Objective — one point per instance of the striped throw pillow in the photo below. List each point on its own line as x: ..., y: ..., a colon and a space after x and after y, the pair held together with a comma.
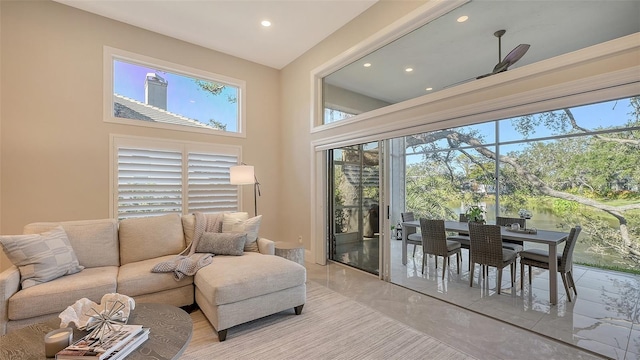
x: 41, y: 257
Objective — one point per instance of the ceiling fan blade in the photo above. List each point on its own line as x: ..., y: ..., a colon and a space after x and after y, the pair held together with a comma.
x: 485, y: 75
x: 511, y: 58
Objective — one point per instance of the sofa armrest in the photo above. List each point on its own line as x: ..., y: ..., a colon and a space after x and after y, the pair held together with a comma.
x: 266, y: 246
x: 9, y: 285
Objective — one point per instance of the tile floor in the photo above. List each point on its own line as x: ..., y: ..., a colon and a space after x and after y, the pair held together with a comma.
x: 604, y: 318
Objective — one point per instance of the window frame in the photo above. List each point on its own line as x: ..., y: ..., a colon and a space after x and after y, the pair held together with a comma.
x: 110, y: 54
x: 185, y: 147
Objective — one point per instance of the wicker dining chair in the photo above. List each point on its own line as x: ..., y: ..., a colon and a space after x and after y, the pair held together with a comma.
x: 486, y: 250
x: 434, y: 242
x: 462, y: 237
x: 540, y: 258
x: 412, y: 236
x: 514, y: 245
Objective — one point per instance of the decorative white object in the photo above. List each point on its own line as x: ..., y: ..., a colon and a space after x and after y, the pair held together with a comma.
x: 84, y: 312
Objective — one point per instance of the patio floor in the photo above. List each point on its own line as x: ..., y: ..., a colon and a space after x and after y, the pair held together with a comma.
x: 604, y: 318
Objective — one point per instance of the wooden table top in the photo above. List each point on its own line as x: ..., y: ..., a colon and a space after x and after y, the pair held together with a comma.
x: 170, y: 332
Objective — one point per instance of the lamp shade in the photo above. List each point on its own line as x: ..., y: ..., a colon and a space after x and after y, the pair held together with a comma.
x: 242, y: 175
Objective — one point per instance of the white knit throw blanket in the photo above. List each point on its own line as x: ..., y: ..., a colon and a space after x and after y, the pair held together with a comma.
x: 187, y: 265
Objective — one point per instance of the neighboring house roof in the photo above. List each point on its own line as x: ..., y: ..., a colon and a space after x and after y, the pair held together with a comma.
x: 128, y: 108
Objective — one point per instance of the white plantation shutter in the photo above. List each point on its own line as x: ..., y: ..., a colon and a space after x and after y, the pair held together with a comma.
x: 209, y: 189
x: 149, y: 182
x: 162, y: 177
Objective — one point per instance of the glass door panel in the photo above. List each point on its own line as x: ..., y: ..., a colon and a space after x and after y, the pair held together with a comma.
x: 354, y: 206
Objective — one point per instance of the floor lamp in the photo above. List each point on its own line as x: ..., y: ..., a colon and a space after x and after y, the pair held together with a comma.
x: 244, y: 175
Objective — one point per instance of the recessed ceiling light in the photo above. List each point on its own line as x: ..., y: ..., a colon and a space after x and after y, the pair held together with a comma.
x: 266, y: 23
x: 462, y: 18
x: 367, y: 64
x: 429, y: 89
x: 408, y: 69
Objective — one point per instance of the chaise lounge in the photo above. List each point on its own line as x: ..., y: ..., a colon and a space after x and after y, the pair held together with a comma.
x: 118, y: 257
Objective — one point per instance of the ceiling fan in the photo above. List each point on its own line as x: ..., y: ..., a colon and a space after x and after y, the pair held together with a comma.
x: 503, y: 64
x: 511, y: 58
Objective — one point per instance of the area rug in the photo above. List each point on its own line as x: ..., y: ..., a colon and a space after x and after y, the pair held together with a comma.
x: 331, y: 326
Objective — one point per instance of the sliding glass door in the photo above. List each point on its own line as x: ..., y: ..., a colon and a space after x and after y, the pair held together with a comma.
x: 354, y: 211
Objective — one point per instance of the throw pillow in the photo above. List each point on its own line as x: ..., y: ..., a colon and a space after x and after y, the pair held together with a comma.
x: 231, y: 224
x: 238, y: 215
x: 222, y: 244
x: 189, y: 224
x: 41, y: 257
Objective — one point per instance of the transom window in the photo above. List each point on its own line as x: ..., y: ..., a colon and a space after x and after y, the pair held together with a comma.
x: 333, y: 115
x: 149, y: 92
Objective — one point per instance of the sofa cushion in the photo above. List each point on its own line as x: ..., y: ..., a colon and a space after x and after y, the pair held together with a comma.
x: 222, y: 244
x: 189, y: 224
x: 95, y: 242
x: 235, y: 278
x: 150, y: 237
x: 188, y: 227
x: 136, y: 278
x: 234, y: 224
x: 41, y: 257
x: 54, y: 296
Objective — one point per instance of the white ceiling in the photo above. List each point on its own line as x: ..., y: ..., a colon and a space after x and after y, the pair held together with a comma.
x: 442, y: 52
x: 445, y: 52
x: 233, y: 27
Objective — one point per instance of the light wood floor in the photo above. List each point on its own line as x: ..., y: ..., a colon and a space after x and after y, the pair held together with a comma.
x: 203, y: 333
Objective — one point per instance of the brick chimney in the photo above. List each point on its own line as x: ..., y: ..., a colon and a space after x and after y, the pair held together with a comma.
x: 155, y: 91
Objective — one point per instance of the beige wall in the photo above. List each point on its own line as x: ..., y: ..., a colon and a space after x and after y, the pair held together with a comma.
x: 349, y: 101
x: 54, y: 147
x: 296, y: 110
x: 2, y: 258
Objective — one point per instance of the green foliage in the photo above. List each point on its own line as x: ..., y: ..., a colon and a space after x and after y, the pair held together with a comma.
x: 338, y: 200
x: 209, y: 86
x: 217, y: 124
x: 562, y: 207
x: 427, y: 196
x: 215, y: 89
x: 475, y: 213
x: 596, y: 165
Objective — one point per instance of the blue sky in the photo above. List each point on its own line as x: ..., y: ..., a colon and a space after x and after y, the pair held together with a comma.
x: 184, y: 97
x: 606, y: 114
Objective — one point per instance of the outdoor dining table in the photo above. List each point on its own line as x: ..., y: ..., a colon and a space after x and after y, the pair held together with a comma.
x: 550, y: 238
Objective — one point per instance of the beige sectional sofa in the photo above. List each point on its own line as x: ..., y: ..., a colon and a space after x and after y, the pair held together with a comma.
x: 118, y: 257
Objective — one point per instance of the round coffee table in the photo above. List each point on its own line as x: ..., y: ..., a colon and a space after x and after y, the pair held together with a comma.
x: 170, y: 332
